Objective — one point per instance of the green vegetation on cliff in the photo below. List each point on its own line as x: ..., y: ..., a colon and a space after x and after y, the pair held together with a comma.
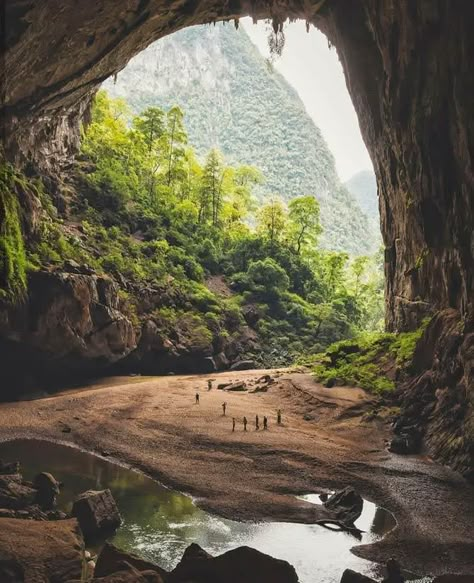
x: 142, y: 209
x: 12, y: 249
x: 369, y: 361
x: 234, y: 102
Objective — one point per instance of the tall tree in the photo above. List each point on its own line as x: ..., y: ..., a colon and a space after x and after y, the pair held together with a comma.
x: 177, y: 139
x: 304, y: 223
x: 212, y: 183
x: 272, y: 220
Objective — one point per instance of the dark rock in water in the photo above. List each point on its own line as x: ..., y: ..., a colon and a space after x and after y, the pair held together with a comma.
x: 454, y: 579
x: 37, y: 551
x: 47, y: 489
x: 14, y: 493
x: 350, y: 576
x: 9, y: 467
x: 243, y: 365
x: 96, y: 512
x: 127, y: 574
x: 11, y: 572
x: 394, y: 572
x: 111, y: 558
x: 346, y: 505
x: 240, y: 565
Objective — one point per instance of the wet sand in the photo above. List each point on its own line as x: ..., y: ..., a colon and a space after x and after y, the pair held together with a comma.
x: 325, y: 442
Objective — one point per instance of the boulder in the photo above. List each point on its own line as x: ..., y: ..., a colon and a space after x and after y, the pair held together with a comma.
x: 126, y: 574
x: 96, y: 512
x: 47, y: 489
x: 238, y: 386
x: 240, y: 565
x: 243, y: 365
x: 111, y: 558
x: 14, y: 493
x: 350, y: 576
x: 36, y: 552
x: 345, y: 505
x: 408, y: 442
x: 394, y: 572
x: 9, y: 467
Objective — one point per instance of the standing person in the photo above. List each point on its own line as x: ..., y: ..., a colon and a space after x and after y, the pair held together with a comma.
x: 209, y: 384
x: 257, y: 426
x: 224, y: 406
x: 233, y: 424
x: 279, y: 416
x: 265, y: 423
x: 245, y: 423
x: 197, y: 398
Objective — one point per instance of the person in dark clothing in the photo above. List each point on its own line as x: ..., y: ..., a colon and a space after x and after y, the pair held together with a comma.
x: 209, y: 385
x: 197, y: 398
x: 257, y: 426
x: 224, y: 406
x: 265, y: 423
x: 279, y: 416
x: 245, y: 423
x: 233, y: 424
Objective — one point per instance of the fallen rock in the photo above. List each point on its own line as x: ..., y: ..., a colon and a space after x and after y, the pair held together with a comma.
x: 243, y: 365
x: 14, y: 493
x: 407, y: 443
x: 239, y: 386
x: 111, y: 558
x: 9, y: 467
x: 127, y: 574
x: 96, y: 511
x: 394, y: 572
x: 259, y: 389
x: 454, y: 579
x: 346, y: 505
x: 240, y: 565
x: 350, y: 576
x: 47, y: 489
x: 266, y: 378
x: 36, y: 552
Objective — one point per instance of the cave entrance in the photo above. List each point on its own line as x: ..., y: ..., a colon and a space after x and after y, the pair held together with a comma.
x: 408, y: 70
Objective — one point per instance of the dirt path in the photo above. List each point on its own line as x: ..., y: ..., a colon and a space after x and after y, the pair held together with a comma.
x: 153, y: 423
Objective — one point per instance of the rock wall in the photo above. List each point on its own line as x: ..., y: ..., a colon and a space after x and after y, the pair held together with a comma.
x: 409, y: 68
x: 69, y: 326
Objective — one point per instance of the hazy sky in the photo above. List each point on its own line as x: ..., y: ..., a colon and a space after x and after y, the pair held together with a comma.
x: 315, y: 72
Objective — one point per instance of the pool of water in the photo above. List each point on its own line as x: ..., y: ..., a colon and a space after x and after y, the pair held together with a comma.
x: 159, y: 523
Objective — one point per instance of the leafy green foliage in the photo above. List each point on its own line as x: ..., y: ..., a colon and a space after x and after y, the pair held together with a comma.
x: 368, y: 361
x: 12, y: 251
x: 149, y: 213
x: 253, y: 115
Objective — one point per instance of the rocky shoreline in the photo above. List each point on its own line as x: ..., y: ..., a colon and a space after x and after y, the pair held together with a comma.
x: 29, y: 515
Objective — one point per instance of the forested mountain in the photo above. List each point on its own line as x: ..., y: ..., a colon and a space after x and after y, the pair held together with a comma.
x: 235, y: 102
x: 363, y: 187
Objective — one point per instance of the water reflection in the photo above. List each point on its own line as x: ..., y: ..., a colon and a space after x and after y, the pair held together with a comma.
x: 160, y: 523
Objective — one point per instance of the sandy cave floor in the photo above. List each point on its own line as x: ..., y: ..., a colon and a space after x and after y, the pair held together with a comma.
x: 325, y: 442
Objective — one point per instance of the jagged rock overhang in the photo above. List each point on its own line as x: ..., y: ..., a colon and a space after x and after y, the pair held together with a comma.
x: 408, y: 67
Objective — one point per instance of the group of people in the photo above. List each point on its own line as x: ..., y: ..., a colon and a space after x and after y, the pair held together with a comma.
x: 245, y: 420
